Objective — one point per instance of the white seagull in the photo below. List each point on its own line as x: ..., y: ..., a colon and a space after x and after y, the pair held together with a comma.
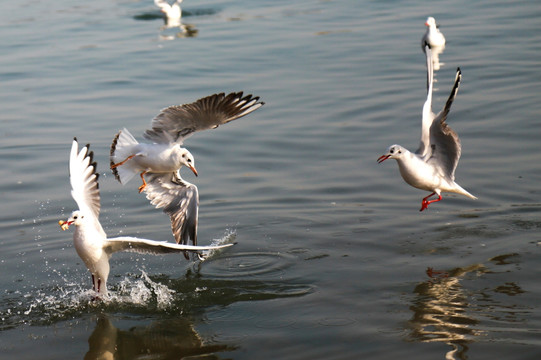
x: 433, y: 36
x: 432, y: 166
x: 171, y: 11
x: 435, y: 39
x: 161, y: 161
x: 89, y: 238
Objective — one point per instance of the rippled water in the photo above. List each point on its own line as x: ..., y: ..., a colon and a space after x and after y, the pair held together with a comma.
x: 333, y: 259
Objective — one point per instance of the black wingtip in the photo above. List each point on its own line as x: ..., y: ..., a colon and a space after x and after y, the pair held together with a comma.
x: 75, y: 138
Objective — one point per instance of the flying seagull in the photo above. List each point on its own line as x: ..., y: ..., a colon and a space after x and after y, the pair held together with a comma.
x: 172, y: 12
x: 432, y: 166
x: 90, y: 240
x: 161, y: 160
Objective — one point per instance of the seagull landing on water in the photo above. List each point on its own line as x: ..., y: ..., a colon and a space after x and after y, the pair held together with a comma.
x: 172, y: 12
x: 161, y: 160
x: 89, y: 238
x: 432, y: 166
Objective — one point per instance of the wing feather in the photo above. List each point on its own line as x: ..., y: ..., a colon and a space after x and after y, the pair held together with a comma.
x: 84, y: 181
x: 180, y: 200
x: 175, y: 123
x: 145, y: 246
x: 444, y: 140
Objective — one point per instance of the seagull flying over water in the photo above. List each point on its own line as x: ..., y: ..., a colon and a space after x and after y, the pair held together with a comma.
x: 90, y: 240
x: 172, y: 12
x: 161, y: 160
x: 432, y: 166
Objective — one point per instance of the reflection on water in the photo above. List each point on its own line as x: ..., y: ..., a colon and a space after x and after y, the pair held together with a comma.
x: 440, y: 311
x: 165, y: 339
x: 436, y: 51
x: 444, y: 311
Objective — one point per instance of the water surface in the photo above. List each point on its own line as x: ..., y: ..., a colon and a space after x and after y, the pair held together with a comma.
x: 333, y: 259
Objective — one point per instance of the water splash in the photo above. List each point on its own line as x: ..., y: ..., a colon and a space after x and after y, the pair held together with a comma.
x: 143, y: 292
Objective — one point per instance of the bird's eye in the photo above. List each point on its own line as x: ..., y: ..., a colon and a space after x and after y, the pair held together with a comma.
x: 391, y: 151
x: 75, y: 217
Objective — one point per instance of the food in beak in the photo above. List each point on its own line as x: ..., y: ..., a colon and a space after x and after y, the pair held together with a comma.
x: 63, y: 224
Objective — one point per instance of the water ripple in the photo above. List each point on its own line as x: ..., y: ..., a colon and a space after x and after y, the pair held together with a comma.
x: 250, y: 265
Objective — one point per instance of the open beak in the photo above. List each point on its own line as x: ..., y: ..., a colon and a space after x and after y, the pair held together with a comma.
x: 382, y: 158
x: 193, y: 169
x: 64, y: 225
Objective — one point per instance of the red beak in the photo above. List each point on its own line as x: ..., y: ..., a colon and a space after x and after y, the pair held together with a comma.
x: 382, y: 158
x: 193, y: 169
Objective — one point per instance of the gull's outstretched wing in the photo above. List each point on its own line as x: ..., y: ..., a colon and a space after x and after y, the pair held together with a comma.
x: 175, y: 123
x: 162, y: 4
x: 146, y: 246
x: 180, y: 200
x: 444, y: 140
x: 84, y: 182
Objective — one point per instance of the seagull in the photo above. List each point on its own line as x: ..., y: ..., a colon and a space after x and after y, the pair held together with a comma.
x: 161, y: 161
x: 433, y: 36
x: 90, y: 240
x: 432, y: 166
x: 172, y: 13
x: 435, y: 39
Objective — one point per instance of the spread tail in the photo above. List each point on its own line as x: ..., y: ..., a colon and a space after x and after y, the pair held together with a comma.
x: 121, y: 148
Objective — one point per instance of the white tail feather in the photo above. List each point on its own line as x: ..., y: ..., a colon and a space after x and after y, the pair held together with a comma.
x: 123, y: 147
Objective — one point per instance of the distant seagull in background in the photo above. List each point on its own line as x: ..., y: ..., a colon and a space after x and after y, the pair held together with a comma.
x: 172, y: 12
x: 432, y: 166
x: 89, y: 238
x: 435, y: 39
x: 161, y: 160
x: 433, y: 36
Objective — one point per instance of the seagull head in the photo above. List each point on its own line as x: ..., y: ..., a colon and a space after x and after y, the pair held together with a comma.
x: 76, y: 219
x: 186, y: 159
x: 430, y: 21
x: 393, y: 152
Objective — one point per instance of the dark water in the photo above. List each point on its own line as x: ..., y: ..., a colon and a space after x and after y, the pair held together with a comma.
x: 333, y: 257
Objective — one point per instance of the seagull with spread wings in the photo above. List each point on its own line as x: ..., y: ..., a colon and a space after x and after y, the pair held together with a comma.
x: 432, y: 167
x: 161, y: 160
x: 90, y: 240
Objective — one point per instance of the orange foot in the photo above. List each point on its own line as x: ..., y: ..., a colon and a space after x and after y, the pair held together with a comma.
x: 426, y: 202
x: 142, y: 187
x: 113, y: 166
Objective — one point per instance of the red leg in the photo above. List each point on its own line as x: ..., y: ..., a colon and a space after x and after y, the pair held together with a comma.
x: 122, y: 162
x: 426, y: 202
x: 142, y: 187
x: 93, y: 286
